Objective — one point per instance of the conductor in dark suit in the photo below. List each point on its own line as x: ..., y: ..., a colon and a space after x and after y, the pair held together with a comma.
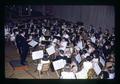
x: 18, y: 42
x: 23, y: 47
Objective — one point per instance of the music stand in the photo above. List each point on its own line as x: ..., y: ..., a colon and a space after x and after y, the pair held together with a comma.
x: 37, y: 55
x: 59, y: 64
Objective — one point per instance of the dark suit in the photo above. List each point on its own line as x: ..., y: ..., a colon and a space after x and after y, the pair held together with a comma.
x: 18, y: 42
x: 23, y: 47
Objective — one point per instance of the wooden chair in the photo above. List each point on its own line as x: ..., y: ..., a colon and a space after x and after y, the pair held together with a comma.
x: 44, y: 68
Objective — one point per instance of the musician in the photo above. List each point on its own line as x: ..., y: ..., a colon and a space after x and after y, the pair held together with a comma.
x: 12, y: 38
x: 42, y: 38
x: 90, y: 48
x: 106, y: 49
x: 84, y: 54
x: 80, y: 43
x: 18, y: 42
x: 74, y: 65
x: 65, y: 35
x: 86, y: 66
x: 22, y: 44
x: 93, y: 38
x: 63, y: 44
x: 61, y: 56
x: 104, y: 75
x: 67, y: 73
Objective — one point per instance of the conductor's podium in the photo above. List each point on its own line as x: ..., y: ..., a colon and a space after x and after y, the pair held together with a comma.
x: 16, y: 65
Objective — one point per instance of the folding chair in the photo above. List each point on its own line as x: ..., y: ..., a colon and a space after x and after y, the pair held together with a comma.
x: 43, y: 68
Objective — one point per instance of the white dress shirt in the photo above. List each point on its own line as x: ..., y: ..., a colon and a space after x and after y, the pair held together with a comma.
x: 111, y: 75
x: 12, y: 37
x: 93, y: 39
x: 66, y: 36
x: 87, y: 65
x: 81, y: 74
x: 80, y: 45
x: 63, y: 45
x: 41, y: 38
x: 67, y: 75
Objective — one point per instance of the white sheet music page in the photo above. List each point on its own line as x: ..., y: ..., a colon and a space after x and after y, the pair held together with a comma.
x: 97, y: 68
x: 37, y: 54
x: 59, y: 64
x: 50, y: 50
x: 33, y: 43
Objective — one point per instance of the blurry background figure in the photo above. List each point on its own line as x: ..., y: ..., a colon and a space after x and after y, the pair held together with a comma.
x: 67, y: 73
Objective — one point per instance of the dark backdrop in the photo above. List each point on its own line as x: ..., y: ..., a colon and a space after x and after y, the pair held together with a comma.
x: 97, y: 15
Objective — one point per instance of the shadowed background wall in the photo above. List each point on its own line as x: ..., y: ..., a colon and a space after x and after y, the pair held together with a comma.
x: 96, y: 15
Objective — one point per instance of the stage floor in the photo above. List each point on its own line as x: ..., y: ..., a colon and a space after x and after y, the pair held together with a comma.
x: 12, y: 54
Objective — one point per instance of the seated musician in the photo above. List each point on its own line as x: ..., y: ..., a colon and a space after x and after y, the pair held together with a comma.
x: 63, y: 44
x: 12, y: 38
x: 74, y: 65
x: 61, y: 56
x: 95, y: 56
x: 104, y: 75
x: 111, y: 74
x: 42, y: 38
x: 80, y: 43
x: 84, y: 54
x: 90, y: 48
x: 65, y: 35
x: 67, y: 73
x: 86, y: 66
x: 93, y: 39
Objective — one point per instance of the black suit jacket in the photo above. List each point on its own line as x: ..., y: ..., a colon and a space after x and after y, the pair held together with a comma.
x: 22, y: 42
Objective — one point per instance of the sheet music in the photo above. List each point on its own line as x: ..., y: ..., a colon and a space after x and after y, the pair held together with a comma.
x: 59, y: 64
x: 33, y: 43
x: 97, y: 68
x: 102, y: 61
x: 78, y: 58
x: 37, y: 54
x: 50, y: 50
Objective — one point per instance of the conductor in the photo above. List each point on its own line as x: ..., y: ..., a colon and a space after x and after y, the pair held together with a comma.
x: 23, y: 47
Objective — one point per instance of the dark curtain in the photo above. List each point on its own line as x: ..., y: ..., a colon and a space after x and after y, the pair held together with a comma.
x: 99, y: 16
x: 96, y: 15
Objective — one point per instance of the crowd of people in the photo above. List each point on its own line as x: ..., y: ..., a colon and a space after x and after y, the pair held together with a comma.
x: 81, y: 47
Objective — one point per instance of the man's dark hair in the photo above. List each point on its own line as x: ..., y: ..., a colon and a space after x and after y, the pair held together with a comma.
x: 61, y: 51
x: 105, y: 74
x: 88, y: 58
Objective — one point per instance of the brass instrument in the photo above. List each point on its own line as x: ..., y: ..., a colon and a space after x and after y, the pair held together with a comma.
x: 91, y: 73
